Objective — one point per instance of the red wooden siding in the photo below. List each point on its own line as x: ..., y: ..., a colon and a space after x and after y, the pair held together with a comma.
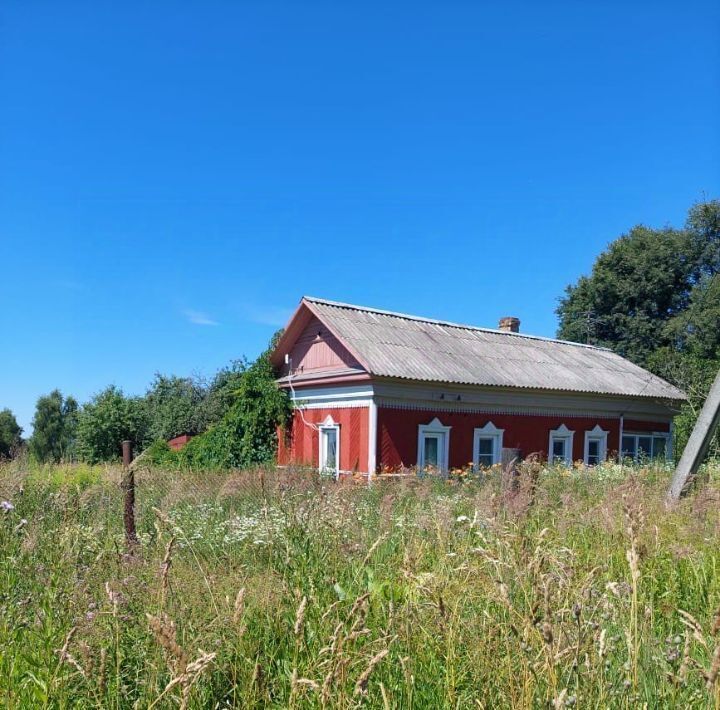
x: 317, y: 350
x: 631, y: 425
x: 398, y: 433
x: 300, y: 445
x: 179, y: 441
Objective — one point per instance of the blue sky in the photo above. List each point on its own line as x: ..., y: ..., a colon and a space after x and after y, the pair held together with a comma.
x: 174, y: 176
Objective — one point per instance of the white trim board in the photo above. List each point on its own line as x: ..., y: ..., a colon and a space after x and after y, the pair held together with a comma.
x: 562, y: 433
x: 489, y: 431
x: 596, y: 434
x: 434, y: 429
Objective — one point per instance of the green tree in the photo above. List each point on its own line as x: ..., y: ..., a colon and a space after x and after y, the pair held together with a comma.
x: 246, y: 434
x: 703, y: 223
x: 654, y: 296
x: 174, y: 406
x: 10, y: 433
x: 54, y: 427
x: 636, y: 286
x: 106, y: 421
x: 223, y: 392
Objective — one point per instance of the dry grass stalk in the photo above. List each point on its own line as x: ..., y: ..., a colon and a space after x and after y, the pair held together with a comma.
x: 304, y: 682
x: 692, y: 623
x: 165, y: 571
x: 329, y: 610
x: 66, y: 657
x: 358, y: 604
x: 712, y: 675
x: 300, y: 616
x: 372, y: 549
x: 190, y: 676
x: 102, y: 679
x: 716, y: 623
x: 362, y: 681
x: 239, y: 608
x: 163, y: 629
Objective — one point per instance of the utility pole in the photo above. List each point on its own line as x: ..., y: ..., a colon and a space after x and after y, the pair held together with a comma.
x: 699, y: 443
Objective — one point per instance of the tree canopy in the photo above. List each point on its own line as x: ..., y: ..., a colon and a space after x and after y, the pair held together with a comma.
x: 174, y: 406
x: 10, y: 433
x: 106, y: 421
x: 654, y: 296
x: 54, y: 427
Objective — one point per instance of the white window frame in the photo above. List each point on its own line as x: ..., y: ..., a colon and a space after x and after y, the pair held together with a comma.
x: 328, y: 425
x: 567, y: 435
x: 652, y: 435
x: 600, y: 435
x: 489, y: 431
x: 434, y: 428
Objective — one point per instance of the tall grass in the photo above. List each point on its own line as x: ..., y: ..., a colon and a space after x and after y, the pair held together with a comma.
x: 259, y: 589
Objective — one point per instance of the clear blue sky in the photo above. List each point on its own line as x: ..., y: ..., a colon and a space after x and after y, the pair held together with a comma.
x: 174, y: 176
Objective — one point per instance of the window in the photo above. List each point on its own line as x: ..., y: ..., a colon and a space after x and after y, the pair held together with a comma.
x: 645, y: 447
x: 561, y: 445
x: 595, y: 446
x: 433, y: 446
x: 330, y: 448
x: 487, y: 446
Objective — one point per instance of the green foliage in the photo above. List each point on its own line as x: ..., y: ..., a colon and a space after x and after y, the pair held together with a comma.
x: 160, y: 454
x: 54, y: 428
x: 694, y: 374
x: 703, y: 223
x: 247, y: 433
x: 174, y: 406
x: 106, y: 421
x: 639, y: 283
x: 10, y: 433
x: 654, y: 296
x: 223, y: 391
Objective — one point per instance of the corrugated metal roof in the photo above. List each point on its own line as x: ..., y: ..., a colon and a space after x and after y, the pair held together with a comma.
x: 398, y: 345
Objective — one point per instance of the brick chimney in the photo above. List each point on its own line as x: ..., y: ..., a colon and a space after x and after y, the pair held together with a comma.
x: 509, y: 324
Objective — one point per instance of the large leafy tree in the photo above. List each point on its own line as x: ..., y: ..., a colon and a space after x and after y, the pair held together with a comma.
x: 106, y: 421
x: 223, y: 391
x: 10, y: 433
x: 654, y: 296
x: 174, y: 406
x: 54, y: 427
x: 637, y: 285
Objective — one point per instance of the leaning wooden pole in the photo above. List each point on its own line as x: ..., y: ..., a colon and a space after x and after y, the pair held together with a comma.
x: 699, y: 443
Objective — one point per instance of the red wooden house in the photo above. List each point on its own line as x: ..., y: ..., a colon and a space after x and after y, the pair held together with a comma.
x: 375, y: 390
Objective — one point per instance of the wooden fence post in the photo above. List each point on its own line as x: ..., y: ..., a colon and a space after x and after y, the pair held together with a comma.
x: 698, y: 444
x: 128, y: 487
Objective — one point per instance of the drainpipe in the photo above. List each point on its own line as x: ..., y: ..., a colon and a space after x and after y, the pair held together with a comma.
x: 622, y: 429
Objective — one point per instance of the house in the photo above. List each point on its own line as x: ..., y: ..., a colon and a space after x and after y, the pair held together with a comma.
x: 375, y: 390
x: 178, y: 442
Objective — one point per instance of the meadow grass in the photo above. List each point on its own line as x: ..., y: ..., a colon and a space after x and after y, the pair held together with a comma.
x: 275, y: 589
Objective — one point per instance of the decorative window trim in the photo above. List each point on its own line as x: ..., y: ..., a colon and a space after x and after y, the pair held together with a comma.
x: 600, y: 435
x: 328, y: 425
x: 562, y: 432
x: 489, y: 431
x: 434, y: 427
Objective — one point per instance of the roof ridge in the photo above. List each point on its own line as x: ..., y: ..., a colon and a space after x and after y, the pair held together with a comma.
x: 451, y: 324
